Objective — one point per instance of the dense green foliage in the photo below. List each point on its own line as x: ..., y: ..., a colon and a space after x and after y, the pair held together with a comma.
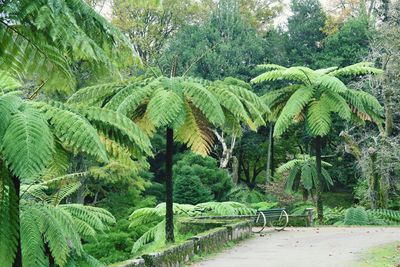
x: 104, y: 154
x: 214, y: 182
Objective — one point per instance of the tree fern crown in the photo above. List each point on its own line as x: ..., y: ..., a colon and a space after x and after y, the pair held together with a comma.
x: 314, y: 95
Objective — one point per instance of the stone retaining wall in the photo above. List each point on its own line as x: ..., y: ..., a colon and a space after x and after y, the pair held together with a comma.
x: 204, y: 243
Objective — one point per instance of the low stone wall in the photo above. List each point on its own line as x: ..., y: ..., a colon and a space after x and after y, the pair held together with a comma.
x: 178, y: 255
x: 139, y: 262
x: 171, y: 257
x: 239, y: 231
x: 211, y: 240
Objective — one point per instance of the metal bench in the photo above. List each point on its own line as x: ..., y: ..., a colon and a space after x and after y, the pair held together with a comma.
x: 275, y: 218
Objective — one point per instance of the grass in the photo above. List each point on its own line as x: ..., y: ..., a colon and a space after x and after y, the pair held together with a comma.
x: 382, y: 256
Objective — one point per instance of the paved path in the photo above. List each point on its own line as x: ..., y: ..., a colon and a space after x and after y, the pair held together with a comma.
x: 298, y: 247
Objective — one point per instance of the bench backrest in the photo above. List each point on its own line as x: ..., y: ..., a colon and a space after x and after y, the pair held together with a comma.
x: 271, y: 214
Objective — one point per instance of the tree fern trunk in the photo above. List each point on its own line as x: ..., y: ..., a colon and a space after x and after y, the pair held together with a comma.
x: 318, y: 185
x: 18, y: 255
x: 169, y: 217
x: 269, y: 154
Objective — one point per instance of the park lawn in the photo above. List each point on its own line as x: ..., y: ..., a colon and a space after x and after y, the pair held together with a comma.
x: 382, y: 256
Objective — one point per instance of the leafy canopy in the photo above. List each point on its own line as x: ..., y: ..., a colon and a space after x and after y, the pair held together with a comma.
x: 190, y: 106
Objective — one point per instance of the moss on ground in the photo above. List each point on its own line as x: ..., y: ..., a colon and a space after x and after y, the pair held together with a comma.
x: 382, y: 256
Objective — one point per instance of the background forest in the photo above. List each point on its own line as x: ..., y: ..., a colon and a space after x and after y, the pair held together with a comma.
x: 221, y: 107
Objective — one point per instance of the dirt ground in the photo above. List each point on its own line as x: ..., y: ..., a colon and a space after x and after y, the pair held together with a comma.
x: 298, y: 247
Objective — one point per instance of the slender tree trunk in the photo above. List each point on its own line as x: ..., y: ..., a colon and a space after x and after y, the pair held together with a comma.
x: 235, y: 170
x: 318, y: 185
x: 169, y: 216
x: 269, y: 155
x: 272, y: 167
x: 18, y: 255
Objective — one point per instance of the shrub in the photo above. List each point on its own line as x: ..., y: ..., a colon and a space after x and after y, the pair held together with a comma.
x: 189, y: 190
x: 356, y: 216
x: 216, y: 180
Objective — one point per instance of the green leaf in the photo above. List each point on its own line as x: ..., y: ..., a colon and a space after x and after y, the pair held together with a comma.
x: 27, y: 143
x: 296, y: 103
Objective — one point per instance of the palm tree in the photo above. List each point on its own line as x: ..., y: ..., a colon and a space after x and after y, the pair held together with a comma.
x: 303, y: 174
x: 311, y: 96
x: 33, y: 133
x: 188, y: 108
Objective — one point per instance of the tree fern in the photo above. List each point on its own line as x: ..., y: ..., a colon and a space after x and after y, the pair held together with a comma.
x: 317, y: 95
x: 302, y: 171
x: 59, y: 227
x: 51, y: 34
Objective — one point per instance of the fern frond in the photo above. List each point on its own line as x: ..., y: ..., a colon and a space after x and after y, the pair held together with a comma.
x: 330, y: 83
x: 226, y: 208
x: 146, y: 215
x: 73, y: 130
x: 27, y: 143
x: 289, y: 165
x: 117, y: 126
x: 270, y: 67
x: 164, y: 107
x: 135, y: 98
x: 9, y: 218
x: 8, y: 83
x: 306, y: 177
x: 63, y: 192
x: 390, y: 216
x: 150, y: 236
x: 326, y: 70
x: 97, y: 218
x: 9, y: 104
x: 32, y: 244
x: 94, y: 94
x: 296, y: 74
x: 362, y: 68
x: 203, y: 100
x: 298, y: 100
x: 195, y: 132
x: 292, y: 176
x: 318, y: 117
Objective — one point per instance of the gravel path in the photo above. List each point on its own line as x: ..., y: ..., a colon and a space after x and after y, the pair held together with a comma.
x: 298, y: 247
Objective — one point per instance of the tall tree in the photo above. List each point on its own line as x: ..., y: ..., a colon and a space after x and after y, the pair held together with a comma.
x: 224, y: 46
x: 312, y: 97
x: 305, y: 35
x: 150, y: 24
